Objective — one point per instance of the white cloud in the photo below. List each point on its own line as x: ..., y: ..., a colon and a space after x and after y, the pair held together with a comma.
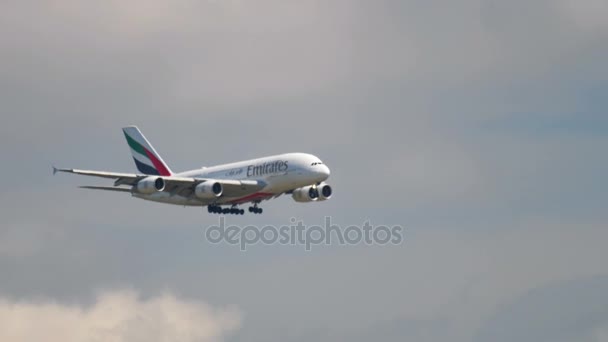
x: 116, y: 316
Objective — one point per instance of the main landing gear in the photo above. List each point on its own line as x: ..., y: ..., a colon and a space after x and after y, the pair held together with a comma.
x: 255, y: 209
x: 216, y: 209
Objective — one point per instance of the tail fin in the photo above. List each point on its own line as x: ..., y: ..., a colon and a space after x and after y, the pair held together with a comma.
x: 145, y: 156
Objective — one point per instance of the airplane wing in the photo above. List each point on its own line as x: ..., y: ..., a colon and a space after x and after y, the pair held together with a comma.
x: 120, y: 178
x: 106, y: 188
x: 183, y: 186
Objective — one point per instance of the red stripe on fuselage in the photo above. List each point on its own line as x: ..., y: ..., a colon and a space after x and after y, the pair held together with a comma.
x: 257, y: 195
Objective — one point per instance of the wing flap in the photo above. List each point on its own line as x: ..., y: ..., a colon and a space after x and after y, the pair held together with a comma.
x: 106, y: 188
x: 184, y: 186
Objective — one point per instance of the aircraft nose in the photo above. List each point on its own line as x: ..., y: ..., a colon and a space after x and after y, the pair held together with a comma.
x: 324, y: 170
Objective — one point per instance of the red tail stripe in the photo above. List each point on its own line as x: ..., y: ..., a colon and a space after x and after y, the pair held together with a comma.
x: 158, y: 165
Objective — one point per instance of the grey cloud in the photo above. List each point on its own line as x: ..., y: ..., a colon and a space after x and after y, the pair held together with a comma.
x: 478, y: 125
x: 448, y: 282
x: 573, y: 310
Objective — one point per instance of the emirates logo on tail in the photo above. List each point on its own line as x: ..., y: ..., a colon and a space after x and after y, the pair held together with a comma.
x: 146, y: 158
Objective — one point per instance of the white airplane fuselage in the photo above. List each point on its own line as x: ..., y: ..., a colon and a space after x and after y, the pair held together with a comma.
x: 251, y: 181
x: 277, y: 174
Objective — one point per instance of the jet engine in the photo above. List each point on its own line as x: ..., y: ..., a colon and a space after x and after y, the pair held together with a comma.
x: 208, y: 190
x: 324, y: 191
x: 150, y: 185
x: 305, y: 194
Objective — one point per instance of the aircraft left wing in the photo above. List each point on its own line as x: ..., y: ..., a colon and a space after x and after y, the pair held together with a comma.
x: 120, y: 178
x: 183, y: 186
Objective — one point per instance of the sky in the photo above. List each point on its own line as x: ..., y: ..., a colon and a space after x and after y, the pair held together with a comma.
x: 477, y: 125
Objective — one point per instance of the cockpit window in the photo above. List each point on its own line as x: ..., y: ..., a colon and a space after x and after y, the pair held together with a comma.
x: 316, y: 163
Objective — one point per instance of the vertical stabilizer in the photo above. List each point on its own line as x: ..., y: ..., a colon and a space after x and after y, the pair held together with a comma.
x: 147, y: 160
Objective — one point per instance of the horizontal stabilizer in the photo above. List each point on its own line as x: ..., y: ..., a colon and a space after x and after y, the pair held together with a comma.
x: 107, y: 188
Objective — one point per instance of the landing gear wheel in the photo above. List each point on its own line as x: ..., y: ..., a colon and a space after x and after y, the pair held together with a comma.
x: 254, y: 209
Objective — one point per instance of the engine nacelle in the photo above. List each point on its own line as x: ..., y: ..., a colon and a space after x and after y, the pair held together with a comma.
x: 150, y: 185
x: 325, y: 191
x: 208, y: 190
x: 305, y: 194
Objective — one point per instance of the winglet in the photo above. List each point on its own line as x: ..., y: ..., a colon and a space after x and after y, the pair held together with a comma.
x: 55, y: 170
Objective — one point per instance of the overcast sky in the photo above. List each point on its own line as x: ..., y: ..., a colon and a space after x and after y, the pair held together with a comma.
x: 478, y: 125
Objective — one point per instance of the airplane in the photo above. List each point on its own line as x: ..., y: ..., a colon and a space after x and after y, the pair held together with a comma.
x: 220, y: 188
